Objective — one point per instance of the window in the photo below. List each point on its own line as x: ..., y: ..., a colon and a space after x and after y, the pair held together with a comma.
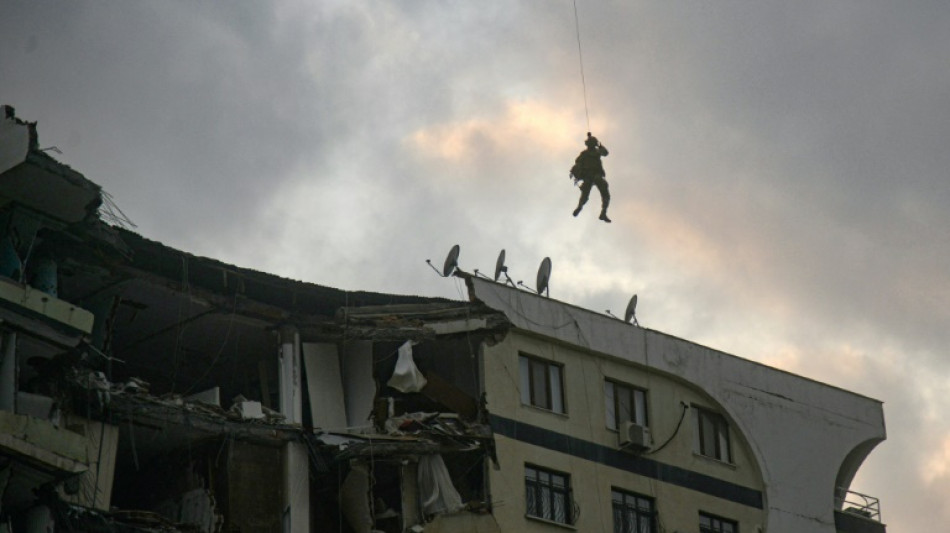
x: 711, y: 434
x: 548, y: 495
x: 541, y: 384
x: 715, y: 524
x: 624, y: 404
x: 632, y: 513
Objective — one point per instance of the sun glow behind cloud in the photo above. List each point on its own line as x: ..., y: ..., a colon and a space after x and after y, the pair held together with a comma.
x: 523, y: 125
x: 937, y: 466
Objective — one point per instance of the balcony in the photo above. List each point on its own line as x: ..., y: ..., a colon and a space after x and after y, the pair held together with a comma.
x: 857, y: 513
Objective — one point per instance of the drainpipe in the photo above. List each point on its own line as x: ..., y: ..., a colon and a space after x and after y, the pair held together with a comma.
x: 8, y: 372
x: 294, y: 459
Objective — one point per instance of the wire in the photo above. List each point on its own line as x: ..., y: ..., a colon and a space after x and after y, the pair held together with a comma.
x: 675, y: 431
x: 580, y: 56
x: 590, y: 429
x: 186, y: 288
x: 110, y: 212
x: 135, y: 455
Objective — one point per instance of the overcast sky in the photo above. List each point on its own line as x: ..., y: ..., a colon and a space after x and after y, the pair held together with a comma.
x: 780, y: 171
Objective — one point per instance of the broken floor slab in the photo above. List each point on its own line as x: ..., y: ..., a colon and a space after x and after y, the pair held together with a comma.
x: 40, y: 442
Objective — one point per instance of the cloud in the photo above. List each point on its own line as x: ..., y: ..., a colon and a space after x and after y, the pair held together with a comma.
x: 778, y: 171
x: 937, y: 467
x: 538, y: 125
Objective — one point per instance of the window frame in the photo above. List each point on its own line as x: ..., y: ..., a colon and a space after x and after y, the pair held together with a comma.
x: 638, y: 513
x: 632, y: 391
x: 537, y: 489
x: 553, y: 386
x: 721, y: 443
x: 717, y: 523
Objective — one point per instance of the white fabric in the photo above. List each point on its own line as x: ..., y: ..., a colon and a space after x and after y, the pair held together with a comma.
x: 355, y: 499
x: 406, y: 376
x: 197, y: 508
x: 436, y: 491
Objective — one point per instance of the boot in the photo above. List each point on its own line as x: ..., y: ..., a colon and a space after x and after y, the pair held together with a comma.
x: 603, y: 215
x: 578, y: 210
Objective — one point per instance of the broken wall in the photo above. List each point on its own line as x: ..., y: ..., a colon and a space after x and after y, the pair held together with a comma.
x: 248, y: 488
x: 93, y: 488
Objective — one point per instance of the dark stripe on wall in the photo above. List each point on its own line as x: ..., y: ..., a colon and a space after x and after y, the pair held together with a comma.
x: 629, y: 462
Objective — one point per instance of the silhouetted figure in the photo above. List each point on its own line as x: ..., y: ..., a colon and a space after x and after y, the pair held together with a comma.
x: 589, y: 170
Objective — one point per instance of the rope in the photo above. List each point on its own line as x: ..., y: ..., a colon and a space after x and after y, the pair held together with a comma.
x: 580, y: 56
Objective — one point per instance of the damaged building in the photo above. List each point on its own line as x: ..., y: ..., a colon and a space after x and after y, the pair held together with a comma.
x: 143, y: 388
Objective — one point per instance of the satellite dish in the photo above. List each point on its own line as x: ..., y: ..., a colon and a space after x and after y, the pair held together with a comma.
x: 544, y: 275
x: 500, y: 265
x: 631, y: 313
x: 451, y: 261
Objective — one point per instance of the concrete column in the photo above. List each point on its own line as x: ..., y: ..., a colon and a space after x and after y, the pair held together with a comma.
x: 409, y: 488
x: 296, y: 487
x: 294, y: 459
x: 8, y: 371
x: 291, y: 398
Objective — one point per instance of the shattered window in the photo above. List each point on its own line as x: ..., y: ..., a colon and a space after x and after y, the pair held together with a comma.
x: 541, y: 384
x: 548, y: 495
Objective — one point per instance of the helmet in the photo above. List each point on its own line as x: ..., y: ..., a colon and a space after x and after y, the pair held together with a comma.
x: 591, y: 141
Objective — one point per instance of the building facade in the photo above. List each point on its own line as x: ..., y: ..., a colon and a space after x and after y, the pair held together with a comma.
x: 601, y: 424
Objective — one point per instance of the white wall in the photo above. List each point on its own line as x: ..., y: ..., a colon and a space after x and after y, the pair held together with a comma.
x: 325, y: 386
x: 14, y: 143
x: 359, y: 388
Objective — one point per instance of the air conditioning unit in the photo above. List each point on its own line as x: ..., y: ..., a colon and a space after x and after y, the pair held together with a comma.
x: 634, y: 436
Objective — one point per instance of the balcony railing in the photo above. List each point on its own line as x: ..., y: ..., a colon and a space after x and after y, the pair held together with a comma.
x: 858, y: 504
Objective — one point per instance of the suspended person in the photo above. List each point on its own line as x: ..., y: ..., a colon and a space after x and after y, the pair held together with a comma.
x: 589, y: 170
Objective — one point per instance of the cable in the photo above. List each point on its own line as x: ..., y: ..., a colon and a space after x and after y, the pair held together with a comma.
x: 675, y: 431
x: 580, y: 56
x: 135, y: 455
x: 590, y: 429
x: 476, y: 374
x: 102, y: 435
x: 186, y: 288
